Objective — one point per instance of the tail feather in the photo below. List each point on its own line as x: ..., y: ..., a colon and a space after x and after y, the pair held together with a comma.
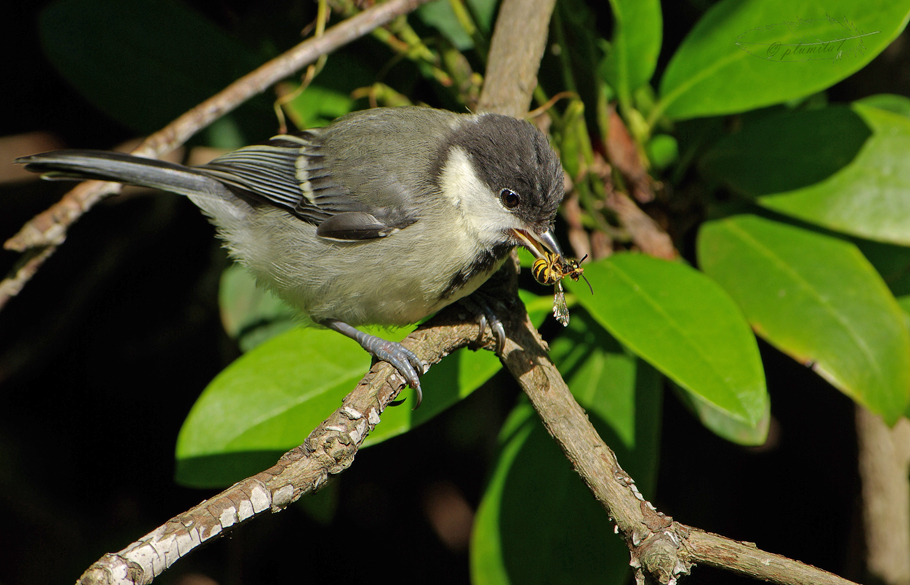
x: 124, y: 168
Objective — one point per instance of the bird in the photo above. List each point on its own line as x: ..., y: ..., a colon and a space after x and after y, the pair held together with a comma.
x: 382, y: 217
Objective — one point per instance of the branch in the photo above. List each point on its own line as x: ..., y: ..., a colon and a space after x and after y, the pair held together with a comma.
x: 519, y: 40
x: 884, y: 461
x: 327, y: 451
x: 747, y: 559
x: 623, y: 154
x: 47, y: 230
x: 661, y: 548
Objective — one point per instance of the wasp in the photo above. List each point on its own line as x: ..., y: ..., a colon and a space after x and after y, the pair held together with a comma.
x: 551, y: 269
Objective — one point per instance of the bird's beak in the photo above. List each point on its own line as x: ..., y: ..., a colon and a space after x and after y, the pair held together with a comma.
x: 538, y: 244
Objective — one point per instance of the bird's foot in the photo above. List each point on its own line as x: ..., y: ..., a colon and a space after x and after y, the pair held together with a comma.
x: 402, y: 359
x: 481, y: 304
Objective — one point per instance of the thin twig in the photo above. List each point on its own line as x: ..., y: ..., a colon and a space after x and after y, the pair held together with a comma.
x: 644, y: 231
x: 48, y: 229
x: 623, y: 154
x: 26, y: 267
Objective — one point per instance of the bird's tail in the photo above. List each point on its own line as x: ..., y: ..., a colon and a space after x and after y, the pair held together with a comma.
x: 124, y: 168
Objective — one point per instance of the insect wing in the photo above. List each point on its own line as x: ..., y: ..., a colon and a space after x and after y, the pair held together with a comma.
x: 560, y: 309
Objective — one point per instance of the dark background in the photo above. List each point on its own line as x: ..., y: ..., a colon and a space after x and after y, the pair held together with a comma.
x: 107, y: 348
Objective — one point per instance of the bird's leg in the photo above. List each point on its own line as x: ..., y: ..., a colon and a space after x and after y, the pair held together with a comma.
x: 404, y: 360
x: 481, y: 304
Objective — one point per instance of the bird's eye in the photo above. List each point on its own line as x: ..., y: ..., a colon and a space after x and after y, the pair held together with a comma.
x: 510, y: 199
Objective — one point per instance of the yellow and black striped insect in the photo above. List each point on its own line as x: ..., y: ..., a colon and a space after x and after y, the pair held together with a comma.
x: 551, y: 269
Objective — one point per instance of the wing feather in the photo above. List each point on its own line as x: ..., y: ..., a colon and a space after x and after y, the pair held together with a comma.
x: 288, y: 172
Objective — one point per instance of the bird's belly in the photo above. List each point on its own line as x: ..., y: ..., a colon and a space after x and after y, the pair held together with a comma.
x: 385, y: 281
x: 404, y: 299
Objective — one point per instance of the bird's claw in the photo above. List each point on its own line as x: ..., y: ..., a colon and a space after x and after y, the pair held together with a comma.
x: 480, y: 304
x: 402, y: 359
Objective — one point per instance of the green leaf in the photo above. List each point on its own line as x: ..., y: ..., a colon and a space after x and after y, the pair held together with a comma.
x: 635, y: 45
x: 787, y: 151
x: 889, y: 102
x: 264, y: 403
x: 606, y: 379
x: 538, y: 307
x: 269, y: 400
x: 816, y: 298
x: 662, y: 150
x: 683, y: 324
x: 537, y: 522
x: 250, y: 313
x: 143, y: 62
x: 272, y: 397
x: 317, y: 106
x: 869, y: 196
x: 329, y: 95
x: 745, y: 54
x: 722, y: 424
x: 449, y: 381
x: 440, y: 16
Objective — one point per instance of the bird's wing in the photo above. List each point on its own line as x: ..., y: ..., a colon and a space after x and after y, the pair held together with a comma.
x: 293, y: 173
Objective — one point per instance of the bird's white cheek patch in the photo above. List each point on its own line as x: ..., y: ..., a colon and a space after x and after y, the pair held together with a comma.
x: 458, y: 178
x: 480, y: 207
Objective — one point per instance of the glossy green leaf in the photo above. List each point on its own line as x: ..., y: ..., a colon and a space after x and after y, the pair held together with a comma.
x: 745, y: 54
x: 870, y: 196
x: 637, y: 32
x: 270, y: 399
x: 143, y: 62
x: 449, y: 381
x: 816, y: 298
x: 264, y: 403
x: 682, y: 323
x: 787, y: 151
x: 612, y: 384
x: 722, y: 424
x: 537, y: 522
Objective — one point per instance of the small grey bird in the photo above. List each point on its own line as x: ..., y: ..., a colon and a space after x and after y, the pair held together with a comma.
x: 383, y: 217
